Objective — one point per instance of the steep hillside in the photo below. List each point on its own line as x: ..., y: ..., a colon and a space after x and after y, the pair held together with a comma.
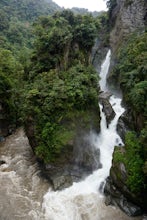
x: 47, y: 82
x: 16, y: 43
x: 128, y: 176
x: 126, y: 16
x: 16, y: 19
x: 84, y: 11
x: 26, y: 10
x: 61, y: 96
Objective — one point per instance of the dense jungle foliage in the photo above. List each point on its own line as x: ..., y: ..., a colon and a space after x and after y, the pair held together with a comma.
x: 16, y: 44
x: 46, y: 75
x: 16, y: 19
x: 131, y: 73
x: 63, y: 83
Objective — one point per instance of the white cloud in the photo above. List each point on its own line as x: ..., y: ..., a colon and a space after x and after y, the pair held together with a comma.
x: 91, y: 5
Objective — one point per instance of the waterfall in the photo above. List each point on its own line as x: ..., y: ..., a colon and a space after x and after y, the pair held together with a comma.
x: 104, y: 72
x: 27, y: 196
x: 84, y: 200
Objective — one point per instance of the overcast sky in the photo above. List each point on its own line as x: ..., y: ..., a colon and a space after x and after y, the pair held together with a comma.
x: 91, y: 5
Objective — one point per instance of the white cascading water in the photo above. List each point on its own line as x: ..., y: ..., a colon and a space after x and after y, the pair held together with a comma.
x: 104, y: 72
x: 24, y: 195
x: 83, y: 200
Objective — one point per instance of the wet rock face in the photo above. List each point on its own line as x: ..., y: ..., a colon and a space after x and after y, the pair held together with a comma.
x: 5, y: 127
x: 115, y: 197
x: 117, y: 192
x: 2, y: 162
x: 74, y: 164
x: 125, y: 123
x: 78, y: 156
x: 85, y: 154
x: 107, y: 108
x: 30, y: 132
x: 98, y: 54
x: 85, y: 159
x: 130, y: 16
x: 129, y: 121
x: 61, y: 181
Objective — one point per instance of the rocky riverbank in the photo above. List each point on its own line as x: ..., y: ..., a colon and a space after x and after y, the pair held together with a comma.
x: 126, y: 18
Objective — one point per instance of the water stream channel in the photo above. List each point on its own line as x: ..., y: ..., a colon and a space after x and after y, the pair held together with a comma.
x: 25, y: 195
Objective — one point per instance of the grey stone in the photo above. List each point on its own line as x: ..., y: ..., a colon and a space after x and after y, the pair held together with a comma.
x: 61, y: 182
x: 129, y: 17
x: 107, y: 108
x: 115, y: 197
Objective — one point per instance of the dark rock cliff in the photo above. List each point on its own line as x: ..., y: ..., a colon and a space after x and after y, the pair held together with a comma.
x: 6, y: 127
x: 128, y: 16
x: 78, y: 157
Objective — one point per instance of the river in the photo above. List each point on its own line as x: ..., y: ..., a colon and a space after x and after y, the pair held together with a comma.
x: 25, y: 195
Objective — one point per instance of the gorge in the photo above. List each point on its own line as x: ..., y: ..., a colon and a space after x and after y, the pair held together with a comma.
x: 24, y: 188
x: 73, y: 112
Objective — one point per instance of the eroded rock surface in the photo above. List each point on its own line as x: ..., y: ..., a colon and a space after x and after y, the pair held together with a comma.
x: 107, y: 108
x: 115, y: 197
x: 128, y: 16
x: 74, y: 164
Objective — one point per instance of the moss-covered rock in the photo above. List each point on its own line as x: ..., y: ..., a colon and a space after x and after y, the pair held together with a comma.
x: 115, y: 197
x: 127, y: 174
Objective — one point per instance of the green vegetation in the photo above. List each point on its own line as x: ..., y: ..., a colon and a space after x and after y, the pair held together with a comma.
x: 111, y: 4
x: 16, y: 44
x: 5, y: 94
x: 55, y: 101
x: 63, y: 83
x: 10, y: 77
x: 83, y: 11
x: 46, y: 79
x: 133, y: 159
x: 46, y: 74
x: 59, y: 48
x: 131, y: 73
x: 16, y: 22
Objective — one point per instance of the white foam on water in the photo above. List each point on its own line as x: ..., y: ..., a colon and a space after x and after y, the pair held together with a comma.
x: 83, y: 201
x: 22, y: 189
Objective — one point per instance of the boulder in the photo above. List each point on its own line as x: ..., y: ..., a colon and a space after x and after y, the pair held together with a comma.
x: 2, y: 162
x: 78, y: 157
x: 121, y: 128
x: 118, y: 193
x: 125, y: 123
x: 61, y: 181
x: 74, y: 164
x: 107, y: 108
x: 104, y: 95
x: 115, y: 197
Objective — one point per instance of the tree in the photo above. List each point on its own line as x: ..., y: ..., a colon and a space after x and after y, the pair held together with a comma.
x: 55, y: 46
